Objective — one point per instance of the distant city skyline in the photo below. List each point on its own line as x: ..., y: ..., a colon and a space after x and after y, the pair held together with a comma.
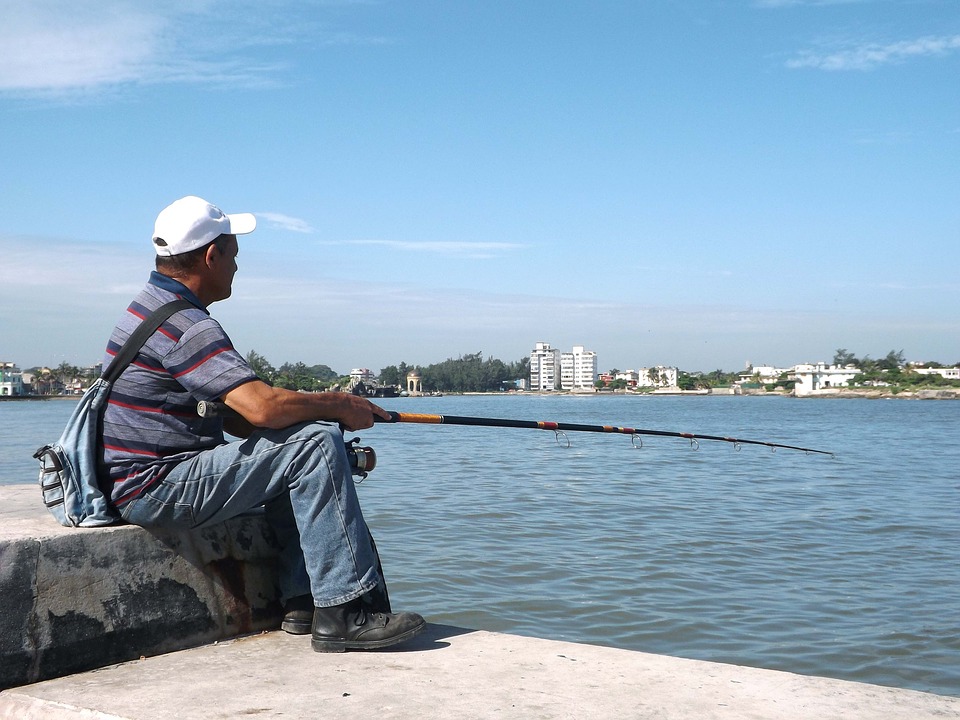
x: 695, y: 184
x: 601, y: 369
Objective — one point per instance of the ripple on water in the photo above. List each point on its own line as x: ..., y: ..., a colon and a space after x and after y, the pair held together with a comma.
x: 846, y: 568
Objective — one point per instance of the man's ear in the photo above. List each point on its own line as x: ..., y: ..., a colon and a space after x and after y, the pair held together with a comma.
x: 211, y: 256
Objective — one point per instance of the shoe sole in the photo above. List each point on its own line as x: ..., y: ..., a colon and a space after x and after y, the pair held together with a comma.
x: 339, y: 646
x: 296, y: 627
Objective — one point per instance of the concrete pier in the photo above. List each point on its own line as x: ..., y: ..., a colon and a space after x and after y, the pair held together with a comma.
x: 84, y: 597
x: 76, y: 599
x: 452, y: 673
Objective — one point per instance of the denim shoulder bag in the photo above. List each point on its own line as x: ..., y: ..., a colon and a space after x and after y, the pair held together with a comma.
x: 68, y: 468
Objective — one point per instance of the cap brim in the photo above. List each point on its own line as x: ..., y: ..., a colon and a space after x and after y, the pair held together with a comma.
x: 242, y: 223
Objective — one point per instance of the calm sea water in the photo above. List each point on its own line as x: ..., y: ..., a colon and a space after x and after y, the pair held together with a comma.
x: 845, y: 567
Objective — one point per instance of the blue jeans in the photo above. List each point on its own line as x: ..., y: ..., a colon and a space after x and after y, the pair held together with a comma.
x: 301, y: 475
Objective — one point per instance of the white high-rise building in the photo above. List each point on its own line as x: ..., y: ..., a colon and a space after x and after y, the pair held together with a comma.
x: 544, y: 367
x: 552, y: 370
x: 578, y: 369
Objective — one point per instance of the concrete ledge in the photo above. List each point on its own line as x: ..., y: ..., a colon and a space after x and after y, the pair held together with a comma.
x: 78, y: 599
x: 450, y: 672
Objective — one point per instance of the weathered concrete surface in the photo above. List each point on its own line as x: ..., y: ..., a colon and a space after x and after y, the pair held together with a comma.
x: 77, y: 599
x: 452, y: 673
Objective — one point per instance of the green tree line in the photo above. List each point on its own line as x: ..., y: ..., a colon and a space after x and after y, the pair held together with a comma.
x: 293, y: 376
x: 704, y: 381
x: 893, y: 361
x: 891, y: 370
x: 467, y: 373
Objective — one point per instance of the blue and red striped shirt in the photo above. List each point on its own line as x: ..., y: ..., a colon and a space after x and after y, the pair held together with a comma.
x: 150, y: 423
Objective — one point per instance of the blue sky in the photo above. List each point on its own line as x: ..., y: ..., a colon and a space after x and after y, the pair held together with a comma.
x: 698, y: 184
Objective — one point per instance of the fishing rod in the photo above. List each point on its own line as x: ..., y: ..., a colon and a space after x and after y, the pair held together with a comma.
x: 212, y: 409
x: 561, y: 428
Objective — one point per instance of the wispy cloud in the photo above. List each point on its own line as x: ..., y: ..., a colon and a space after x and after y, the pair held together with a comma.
x: 56, y: 48
x: 899, y: 286
x: 888, y: 137
x: 285, y: 222
x: 48, y: 46
x: 474, y: 250
x: 75, y: 268
x: 867, y: 56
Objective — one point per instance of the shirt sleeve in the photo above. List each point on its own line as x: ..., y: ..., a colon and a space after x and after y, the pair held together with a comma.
x: 205, y: 362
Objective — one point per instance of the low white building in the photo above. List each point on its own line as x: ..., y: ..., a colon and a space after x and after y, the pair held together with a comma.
x: 820, y: 376
x: 764, y: 374
x: 952, y: 373
x: 11, y: 380
x: 657, y: 377
x: 361, y: 375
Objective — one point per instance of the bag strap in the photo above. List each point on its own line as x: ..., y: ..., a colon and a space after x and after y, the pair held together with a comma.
x: 139, y: 336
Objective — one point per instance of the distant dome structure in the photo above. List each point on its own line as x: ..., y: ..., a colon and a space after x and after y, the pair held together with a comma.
x: 414, y: 385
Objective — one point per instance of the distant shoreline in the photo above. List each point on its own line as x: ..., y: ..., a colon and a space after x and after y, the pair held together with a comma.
x: 828, y: 393
x: 39, y: 397
x: 878, y: 394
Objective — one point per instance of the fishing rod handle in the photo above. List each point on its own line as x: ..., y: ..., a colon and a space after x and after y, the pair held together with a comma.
x: 212, y: 409
x: 396, y: 417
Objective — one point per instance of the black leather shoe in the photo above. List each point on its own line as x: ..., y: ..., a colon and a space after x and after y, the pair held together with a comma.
x: 298, y: 611
x: 353, y: 627
x: 298, y: 615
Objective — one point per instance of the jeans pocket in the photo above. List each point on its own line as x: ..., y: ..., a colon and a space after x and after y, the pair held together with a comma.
x: 152, y: 511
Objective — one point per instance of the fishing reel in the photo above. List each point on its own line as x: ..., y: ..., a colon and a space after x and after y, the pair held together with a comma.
x: 362, y: 458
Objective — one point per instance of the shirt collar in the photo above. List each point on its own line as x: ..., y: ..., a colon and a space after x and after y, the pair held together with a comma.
x: 165, y: 282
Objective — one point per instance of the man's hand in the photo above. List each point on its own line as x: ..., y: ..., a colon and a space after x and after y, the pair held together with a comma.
x: 358, y: 413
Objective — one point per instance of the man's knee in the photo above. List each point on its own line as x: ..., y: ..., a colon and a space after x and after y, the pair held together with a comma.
x: 322, y: 432
x: 315, y: 430
x: 324, y: 437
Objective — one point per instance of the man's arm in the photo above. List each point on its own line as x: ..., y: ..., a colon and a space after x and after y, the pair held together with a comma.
x: 271, y: 407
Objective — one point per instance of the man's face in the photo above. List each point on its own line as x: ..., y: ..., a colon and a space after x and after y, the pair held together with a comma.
x: 224, y: 268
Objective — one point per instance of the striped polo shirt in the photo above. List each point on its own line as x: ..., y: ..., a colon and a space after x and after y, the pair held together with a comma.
x: 150, y: 423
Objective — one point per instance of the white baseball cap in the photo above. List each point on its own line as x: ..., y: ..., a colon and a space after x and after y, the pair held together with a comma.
x: 192, y: 222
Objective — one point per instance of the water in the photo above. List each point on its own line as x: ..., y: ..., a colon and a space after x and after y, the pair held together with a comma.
x: 846, y: 567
